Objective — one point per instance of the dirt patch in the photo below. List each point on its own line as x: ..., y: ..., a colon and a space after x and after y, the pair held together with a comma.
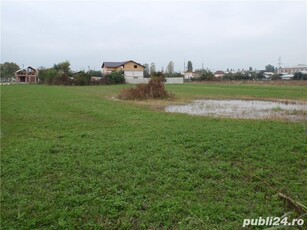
x: 246, y: 109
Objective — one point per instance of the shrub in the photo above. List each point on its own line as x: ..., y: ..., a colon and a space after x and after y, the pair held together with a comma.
x: 115, y: 78
x: 171, y: 75
x: 47, y: 75
x: 153, y: 90
x: 61, y: 79
x: 204, y: 76
x: 82, y: 79
x: 276, y: 77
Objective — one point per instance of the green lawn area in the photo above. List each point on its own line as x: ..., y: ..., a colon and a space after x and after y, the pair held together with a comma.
x: 73, y: 157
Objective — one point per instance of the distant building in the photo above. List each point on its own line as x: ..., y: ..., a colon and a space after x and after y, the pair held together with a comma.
x: 130, y: 68
x: 219, y: 74
x: 27, y: 75
x: 189, y: 75
x: 268, y: 74
x: 287, y: 76
x: 292, y: 70
x: 133, y: 71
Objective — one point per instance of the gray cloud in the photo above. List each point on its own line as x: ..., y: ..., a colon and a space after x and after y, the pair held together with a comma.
x: 222, y: 34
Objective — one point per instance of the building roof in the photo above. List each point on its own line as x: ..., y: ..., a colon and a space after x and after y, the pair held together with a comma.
x: 117, y: 64
x: 219, y: 72
x: 28, y: 67
x: 112, y: 64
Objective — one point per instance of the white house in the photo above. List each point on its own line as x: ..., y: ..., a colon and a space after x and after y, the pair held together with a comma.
x: 189, y: 75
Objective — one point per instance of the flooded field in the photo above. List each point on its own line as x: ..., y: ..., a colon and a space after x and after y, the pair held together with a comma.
x: 246, y: 109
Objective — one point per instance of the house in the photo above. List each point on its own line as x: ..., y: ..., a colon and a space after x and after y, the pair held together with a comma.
x: 219, y: 74
x: 189, y: 75
x: 27, y: 75
x: 133, y: 71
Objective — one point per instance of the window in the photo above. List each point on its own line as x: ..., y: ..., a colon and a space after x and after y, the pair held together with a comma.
x: 135, y: 66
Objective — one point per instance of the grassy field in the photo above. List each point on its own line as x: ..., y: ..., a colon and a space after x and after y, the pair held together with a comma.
x: 76, y: 157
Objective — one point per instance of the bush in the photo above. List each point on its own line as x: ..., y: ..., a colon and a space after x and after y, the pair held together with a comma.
x: 204, y: 76
x: 115, y: 78
x: 47, y: 75
x: 153, y: 90
x: 82, y: 79
x: 172, y: 75
x: 276, y: 76
x: 237, y: 76
x: 61, y: 79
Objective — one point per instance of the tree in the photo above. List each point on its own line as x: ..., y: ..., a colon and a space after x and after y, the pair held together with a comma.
x: 269, y: 68
x: 207, y: 76
x: 170, y: 67
x: 158, y: 74
x: 190, y: 66
x: 82, y: 78
x: 253, y: 75
x: 146, y: 70
x: 236, y: 76
x: 300, y: 76
x: 47, y: 75
x: 168, y: 75
x: 8, y: 70
x: 276, y: 76
x: 94, y: 73
x: 63, y: 69
x: 260, y: 75
x: 250, y: 68
x: 152, y: 68
x: 63, y: 66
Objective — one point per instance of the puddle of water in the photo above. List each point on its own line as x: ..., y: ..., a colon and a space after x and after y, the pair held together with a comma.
x: 247, y: 109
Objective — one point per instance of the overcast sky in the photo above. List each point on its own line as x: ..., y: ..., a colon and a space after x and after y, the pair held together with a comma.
x: 224, y: 34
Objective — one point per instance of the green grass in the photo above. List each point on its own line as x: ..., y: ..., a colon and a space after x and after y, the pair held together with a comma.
x: 71, y: 157
x: 240, y: 91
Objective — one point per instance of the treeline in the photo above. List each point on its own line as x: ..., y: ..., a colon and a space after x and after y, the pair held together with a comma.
x: 61, y: 74
x: 300, y: 76
x: 209, y: 76
x: 164, y: 75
